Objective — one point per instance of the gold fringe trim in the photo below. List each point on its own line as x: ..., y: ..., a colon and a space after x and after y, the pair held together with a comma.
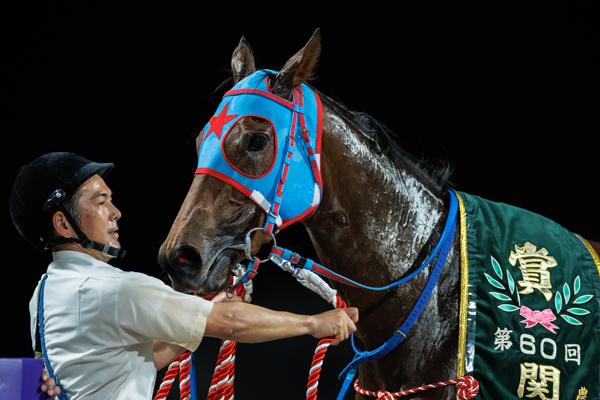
x: 592, y: 252
x: 464, y: 290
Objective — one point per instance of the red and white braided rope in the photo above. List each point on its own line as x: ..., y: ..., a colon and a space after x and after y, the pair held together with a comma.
x: 467, y: 387
x: 169, y: 378
x: 184, y: 377
x: 317, y: 360
x: 221, y: 384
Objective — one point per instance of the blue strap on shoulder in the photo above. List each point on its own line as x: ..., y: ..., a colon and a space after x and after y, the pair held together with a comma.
x: 63, y: 394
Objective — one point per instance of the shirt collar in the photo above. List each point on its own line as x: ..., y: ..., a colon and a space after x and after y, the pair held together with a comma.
x: 76, y: 260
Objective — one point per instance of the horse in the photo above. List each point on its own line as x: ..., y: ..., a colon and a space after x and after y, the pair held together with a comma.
x: 380, y: 215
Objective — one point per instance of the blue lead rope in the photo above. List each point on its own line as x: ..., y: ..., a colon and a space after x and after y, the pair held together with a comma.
x: 441, y: 251
x: 398, y: 337
x: 63, y: 394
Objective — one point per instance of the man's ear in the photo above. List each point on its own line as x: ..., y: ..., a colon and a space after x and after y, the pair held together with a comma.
x: 61, y: 225
x: 299, y: 68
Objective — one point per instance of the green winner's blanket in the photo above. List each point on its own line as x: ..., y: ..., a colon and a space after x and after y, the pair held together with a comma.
x: 530, y: 294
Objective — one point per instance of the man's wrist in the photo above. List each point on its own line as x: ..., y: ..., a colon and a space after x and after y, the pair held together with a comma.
x: 311, y: 324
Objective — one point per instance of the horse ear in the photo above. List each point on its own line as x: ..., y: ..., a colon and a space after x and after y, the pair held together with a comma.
x: 299, y: 68
x: 242, y: 61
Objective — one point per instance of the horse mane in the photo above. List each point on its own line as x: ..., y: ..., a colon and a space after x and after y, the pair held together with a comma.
x: 385, y: 141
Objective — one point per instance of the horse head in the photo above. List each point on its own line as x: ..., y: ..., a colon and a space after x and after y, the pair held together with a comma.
x: 207, y: 237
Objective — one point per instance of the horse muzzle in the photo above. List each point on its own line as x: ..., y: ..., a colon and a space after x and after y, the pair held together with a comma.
x: 189, y: 271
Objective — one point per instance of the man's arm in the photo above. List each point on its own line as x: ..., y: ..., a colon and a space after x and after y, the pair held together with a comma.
x: 249, y: 323
x: 242, y: 322
x: 165, y: 354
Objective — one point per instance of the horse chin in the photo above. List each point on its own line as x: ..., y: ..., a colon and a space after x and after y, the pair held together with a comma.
x: 218, y: 276
x: 216, y: 281
x: 219, y: 273
x: 183, y: 286
x: 213, y: 281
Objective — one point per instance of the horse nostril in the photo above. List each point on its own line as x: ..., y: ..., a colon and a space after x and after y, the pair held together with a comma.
x: 181, y: 260
x: 186, y: 256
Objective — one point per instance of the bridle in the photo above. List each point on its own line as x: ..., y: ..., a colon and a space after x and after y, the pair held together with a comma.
x: 298, y: 127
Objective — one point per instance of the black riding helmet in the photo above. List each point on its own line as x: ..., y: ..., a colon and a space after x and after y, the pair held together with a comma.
x: 42, y: 187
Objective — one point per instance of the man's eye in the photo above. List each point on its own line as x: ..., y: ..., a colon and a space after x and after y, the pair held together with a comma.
x: 257, y: 142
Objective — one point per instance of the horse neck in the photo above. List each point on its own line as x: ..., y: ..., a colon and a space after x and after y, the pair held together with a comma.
x: 374, y: 218
x: 375, y: 221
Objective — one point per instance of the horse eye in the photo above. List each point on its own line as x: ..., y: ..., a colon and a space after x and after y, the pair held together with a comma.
x: 258, y: 141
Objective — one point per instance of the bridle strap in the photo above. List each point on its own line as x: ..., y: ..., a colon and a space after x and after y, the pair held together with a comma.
x: 271, y: 220
x: 295, y: 259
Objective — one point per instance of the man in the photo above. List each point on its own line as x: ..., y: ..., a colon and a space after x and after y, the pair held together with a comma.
x: 107, y: 331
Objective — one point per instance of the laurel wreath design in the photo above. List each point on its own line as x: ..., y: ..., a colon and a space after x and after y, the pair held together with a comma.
x: 561, y: 300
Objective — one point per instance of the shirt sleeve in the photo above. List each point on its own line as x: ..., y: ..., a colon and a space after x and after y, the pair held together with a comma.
x: 147, y: 309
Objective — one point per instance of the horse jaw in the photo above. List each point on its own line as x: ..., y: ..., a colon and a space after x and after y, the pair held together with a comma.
x: 197, y: 253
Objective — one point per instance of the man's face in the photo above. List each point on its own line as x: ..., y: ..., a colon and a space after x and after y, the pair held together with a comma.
x: 98, y: 214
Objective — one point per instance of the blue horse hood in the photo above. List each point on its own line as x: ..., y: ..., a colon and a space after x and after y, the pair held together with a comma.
x: 296, y: 164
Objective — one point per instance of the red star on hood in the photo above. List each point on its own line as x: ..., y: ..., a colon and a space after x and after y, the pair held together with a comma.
x: 218, y: 121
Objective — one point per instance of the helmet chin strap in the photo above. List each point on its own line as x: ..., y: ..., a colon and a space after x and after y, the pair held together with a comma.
x: 105, y: 248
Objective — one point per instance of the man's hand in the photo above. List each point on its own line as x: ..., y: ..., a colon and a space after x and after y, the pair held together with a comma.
x: 338, y: 323
x: 49, y: 386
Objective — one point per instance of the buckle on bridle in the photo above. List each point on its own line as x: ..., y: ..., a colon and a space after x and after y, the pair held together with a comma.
x: 248, y: 242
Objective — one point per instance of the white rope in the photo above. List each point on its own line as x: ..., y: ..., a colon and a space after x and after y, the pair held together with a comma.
x: 249, y: 288
x: 238, y: 272
x: 311, y: 281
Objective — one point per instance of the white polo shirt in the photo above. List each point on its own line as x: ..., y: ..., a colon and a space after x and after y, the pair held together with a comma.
x: 100, y: 322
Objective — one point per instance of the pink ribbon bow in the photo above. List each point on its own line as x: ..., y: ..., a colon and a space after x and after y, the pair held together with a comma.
x: 543, y: 318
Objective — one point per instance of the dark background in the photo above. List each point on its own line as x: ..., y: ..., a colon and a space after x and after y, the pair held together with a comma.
x: 507, y: 94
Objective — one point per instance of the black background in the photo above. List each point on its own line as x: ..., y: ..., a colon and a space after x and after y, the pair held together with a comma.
x: 507, y: 94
